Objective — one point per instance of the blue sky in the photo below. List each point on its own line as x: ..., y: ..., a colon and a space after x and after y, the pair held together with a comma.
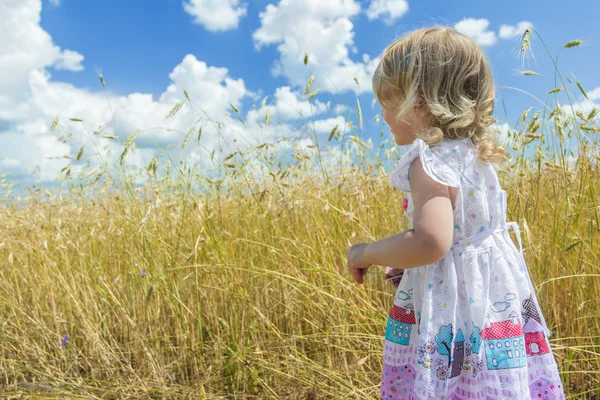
x: 232, y: 48
x: 137, y: 43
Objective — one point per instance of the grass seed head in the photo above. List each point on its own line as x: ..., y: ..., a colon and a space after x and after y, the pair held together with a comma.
x: 573, y: 43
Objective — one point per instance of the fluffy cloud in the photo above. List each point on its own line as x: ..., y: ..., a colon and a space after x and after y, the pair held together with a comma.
x: 511, y: 32
x: 594, y: 94
x: 216, y: 15
x: 341, y: 109
x: 26, y: 50
x: 29, y: 142
x: 69, y: 60
x: 30, y: 100
x: 325, y: 126
x: 390, y: 9
x: 210, y: 87
x: 477, y: 29
x: 323, y: 30
x: 25, y: 46
x: 287, y: 106
x: 23, y: 150
x: 584, y: 105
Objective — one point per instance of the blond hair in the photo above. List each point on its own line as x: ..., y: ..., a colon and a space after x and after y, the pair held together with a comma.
x: 447, y: 73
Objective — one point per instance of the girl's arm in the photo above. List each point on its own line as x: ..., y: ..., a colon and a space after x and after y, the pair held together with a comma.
x: 431, y: 237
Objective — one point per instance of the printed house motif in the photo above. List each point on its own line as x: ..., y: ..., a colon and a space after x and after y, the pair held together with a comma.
x: 504, y: 345
x: 400, y: 324
x: 535, y: 340
x: 458, y: 355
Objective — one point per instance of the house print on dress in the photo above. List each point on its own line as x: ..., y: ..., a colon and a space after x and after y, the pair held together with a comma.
x: 475, y: 339
x: 458, y: 354
x: 400, y: 323
x: 504, y: 344
x: 530, y: 310
x: 535, y: 337
x: 535, y: 340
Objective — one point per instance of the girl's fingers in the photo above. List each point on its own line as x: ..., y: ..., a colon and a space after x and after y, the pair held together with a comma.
x: 358, y: 275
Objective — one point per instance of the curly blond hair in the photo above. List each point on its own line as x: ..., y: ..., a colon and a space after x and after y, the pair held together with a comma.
x: 447, y: 73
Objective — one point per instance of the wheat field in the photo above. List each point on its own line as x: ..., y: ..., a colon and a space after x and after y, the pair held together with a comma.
x: 234, y: 287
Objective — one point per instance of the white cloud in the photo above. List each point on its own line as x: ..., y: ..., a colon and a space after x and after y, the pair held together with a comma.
x: 290, y: 106
x: 392, y: 9
x: 513, y: 31
x: 210, y: 89
x: 26, y: 150
x: 210, y: 86
x: 594, y: 94
x: 286, y: 106
x: 216, y: 15
x: 30, y: 100
x: 340, y: 109
x: 325, y: 126
x: 477, y: 29
x: 25, y: 46
x: 55, y: 2
x: 323, y: 30
x: 584, y: 105
x: 69, y: 60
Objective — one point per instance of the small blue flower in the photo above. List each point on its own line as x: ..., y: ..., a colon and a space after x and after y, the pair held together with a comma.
x: 143, y: 273
x: 65, y: 340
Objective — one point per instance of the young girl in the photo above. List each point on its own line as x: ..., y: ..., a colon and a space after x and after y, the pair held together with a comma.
x: 465, y: 323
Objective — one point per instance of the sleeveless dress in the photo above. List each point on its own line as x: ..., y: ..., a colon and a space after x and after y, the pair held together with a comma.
x: 470, y: 325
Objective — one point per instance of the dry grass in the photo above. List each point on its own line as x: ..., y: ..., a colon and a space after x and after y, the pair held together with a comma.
x: 239, y: 291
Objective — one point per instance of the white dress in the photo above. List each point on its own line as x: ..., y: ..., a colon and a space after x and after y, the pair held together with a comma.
x: 468, y: 326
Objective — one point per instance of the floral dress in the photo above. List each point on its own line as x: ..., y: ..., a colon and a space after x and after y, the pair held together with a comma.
x: 470, y: 325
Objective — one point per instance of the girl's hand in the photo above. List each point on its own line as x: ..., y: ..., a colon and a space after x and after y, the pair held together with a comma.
x: 393, y: 275
x: 357, y: 267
